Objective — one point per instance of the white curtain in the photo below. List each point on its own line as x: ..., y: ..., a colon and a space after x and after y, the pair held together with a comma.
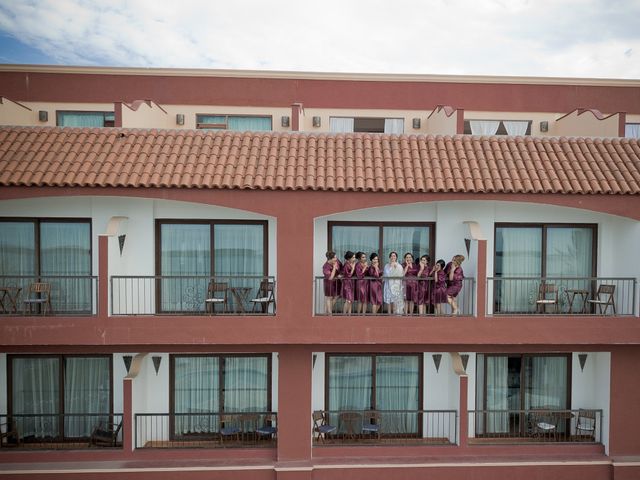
x: 86, y: 390
x: 405, y: 239
x: 515, y: 127
x: 394, y: 125
x: 484, y: 127
x: 398, y: 388
x: 36, y: 391
x: 17, y: 254
x: 196, y: 391
x: 349, y: 385
x: 547, y: 385
x: 632, y: 130
x: 497, y: 394
x: 341, y: 125
x: 364, y: 239
x: 245, y: 384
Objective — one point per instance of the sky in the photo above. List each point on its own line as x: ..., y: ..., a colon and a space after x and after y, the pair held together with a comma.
x: 545, y: 38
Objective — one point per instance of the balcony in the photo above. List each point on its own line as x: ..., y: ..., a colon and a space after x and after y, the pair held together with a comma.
x: 424, y: 294
x: 544, y: 425
x: 69, y: 295
x: 193, y: 295
x: 385, y: 427
x: 562, y: 296
x: 206, y: 430
x: 62, y: 431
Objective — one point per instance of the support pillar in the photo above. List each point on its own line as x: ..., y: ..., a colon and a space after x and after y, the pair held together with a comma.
x: 103, y: 276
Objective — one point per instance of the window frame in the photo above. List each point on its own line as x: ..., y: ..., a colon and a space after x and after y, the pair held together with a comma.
x: 61, y: 379
x: 225, y: 126
x: 543, y: 252
x: 104, y: 114
x: 355, y: 119
x: 501, y: 127
x: 381, y: 225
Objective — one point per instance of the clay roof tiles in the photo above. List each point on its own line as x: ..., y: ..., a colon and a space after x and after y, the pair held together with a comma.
x: 113, y: 157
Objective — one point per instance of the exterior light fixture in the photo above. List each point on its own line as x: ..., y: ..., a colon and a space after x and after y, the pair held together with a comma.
x: 583, y: 359
x: 436, y: 360
x: 416, y: 123
x: 317, y: 121
x: 127, y: 362
x: 43, y: 116
x: 284, y: 121
x: 544, y: 126
x: 156, y: 363
x: 180, y: 119
x: 465, y: 360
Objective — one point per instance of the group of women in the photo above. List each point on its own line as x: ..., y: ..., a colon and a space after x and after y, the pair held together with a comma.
x: 402, y: 286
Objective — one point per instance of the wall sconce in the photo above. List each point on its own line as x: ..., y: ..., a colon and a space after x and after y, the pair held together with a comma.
x: 583, y: 359
x: 314, y: 358
x: 465, y: 361
x: 284, y: 121
x: 121, y: 242
x: 127, y: 362
x: 436, y: 360
x: 544, y: 126
x: 179, y: 118
x: 317, y: 121
x: 416, y: 123
x: 43, y: 116
x: 156, y: 363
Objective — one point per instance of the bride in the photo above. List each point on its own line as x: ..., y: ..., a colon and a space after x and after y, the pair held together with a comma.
x: 393, y: 288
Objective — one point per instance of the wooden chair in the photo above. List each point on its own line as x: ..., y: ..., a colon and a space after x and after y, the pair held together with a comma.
x: 547, y: 295
x: 39, y: 294
x: 543, y: 424
x: 9, y: 436
x: 217, y: 294
x: 321, y: 427
x: 265, y: 296
x: 106, y: 434
x: 586, y: 423
x: 608, y: 292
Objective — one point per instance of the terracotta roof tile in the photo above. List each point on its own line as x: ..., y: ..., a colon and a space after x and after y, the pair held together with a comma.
x: 37, y: 156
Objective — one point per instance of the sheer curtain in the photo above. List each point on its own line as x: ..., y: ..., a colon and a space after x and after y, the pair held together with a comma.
x: 546, y: 381
x: 196, y: 391
x: 185, y: 251
x: 497, y: 394
x: 80, y: 119
x: 405, y: 239
x: 364, y: 239
x: 17, y: 253
x: 515, y: 127
x: 36, y: 391
x: 518, y: 254
x: 341, y: 125
x: 484, y: 127
x: 65, y: 249
x: 398, y: 388
x: 632, y: 130
x: 86, y: 390
x: 238, y: 123
x: 349, y: 384
x: 246, y: 384
x: 394, y: 125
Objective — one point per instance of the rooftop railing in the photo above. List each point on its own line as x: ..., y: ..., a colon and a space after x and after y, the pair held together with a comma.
x: 562, y: 296
x: 408, y: 296
x: 193, y: 295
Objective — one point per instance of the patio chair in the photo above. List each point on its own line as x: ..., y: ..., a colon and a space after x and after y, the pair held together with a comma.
x: 604, y: 299
x: 105, y: 434
x: 217, y: 294
x: 547, y: 295
x: 268, y: 429
x: 321, y: 427
x: 9, y: 436
x: 229, y: 428
x: 543, y: 424
x: 371, y: 424
x: 586, y: 424
x: 265, y: 296
x: 38, y: 295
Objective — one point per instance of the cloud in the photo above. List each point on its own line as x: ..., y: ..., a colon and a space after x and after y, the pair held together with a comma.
x: 496, y: 37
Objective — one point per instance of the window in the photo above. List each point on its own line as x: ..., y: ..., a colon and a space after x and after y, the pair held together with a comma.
x: 44, y: 387
x: 233, y: 122
x: 497, y: 127
x: 198, y: 250
x: 365, y: 124
x: 376, y: 382
x: 215, y: 384
x: 541, y: 251
x: 632, y: 130
x: 382, y: 238
x: 520, y: 382
x: 84, y: 119
x: 55, y: 251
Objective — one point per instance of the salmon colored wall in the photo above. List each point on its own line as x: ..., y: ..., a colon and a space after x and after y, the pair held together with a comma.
x: 625, y: 401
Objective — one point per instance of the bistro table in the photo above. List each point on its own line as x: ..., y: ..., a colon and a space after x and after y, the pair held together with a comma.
x: 241, y: 297
x: 349, y: 422
x: 9, y: 299
x: 571, y: 296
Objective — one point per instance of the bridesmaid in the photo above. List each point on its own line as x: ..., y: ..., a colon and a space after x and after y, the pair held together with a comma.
x: 424, y: 290
x: 362, y: 284
x: 439, y: 292
x: 375, y: 285
x: 330, y: 271
x: 410, y: 270
x: 347, y: 282
x: 455, y: 275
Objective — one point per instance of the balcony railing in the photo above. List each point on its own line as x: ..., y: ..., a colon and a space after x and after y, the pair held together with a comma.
x: 408, y: 296
x: 536, y: 425
x: 562, y: 296
x: 61, y: 431
x: 49, y: 295
x: 402, y: 427
x: 193, y: 295
x: 205, y: 430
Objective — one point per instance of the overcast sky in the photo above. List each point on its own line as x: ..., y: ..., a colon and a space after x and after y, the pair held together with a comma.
x: 567, y: 38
